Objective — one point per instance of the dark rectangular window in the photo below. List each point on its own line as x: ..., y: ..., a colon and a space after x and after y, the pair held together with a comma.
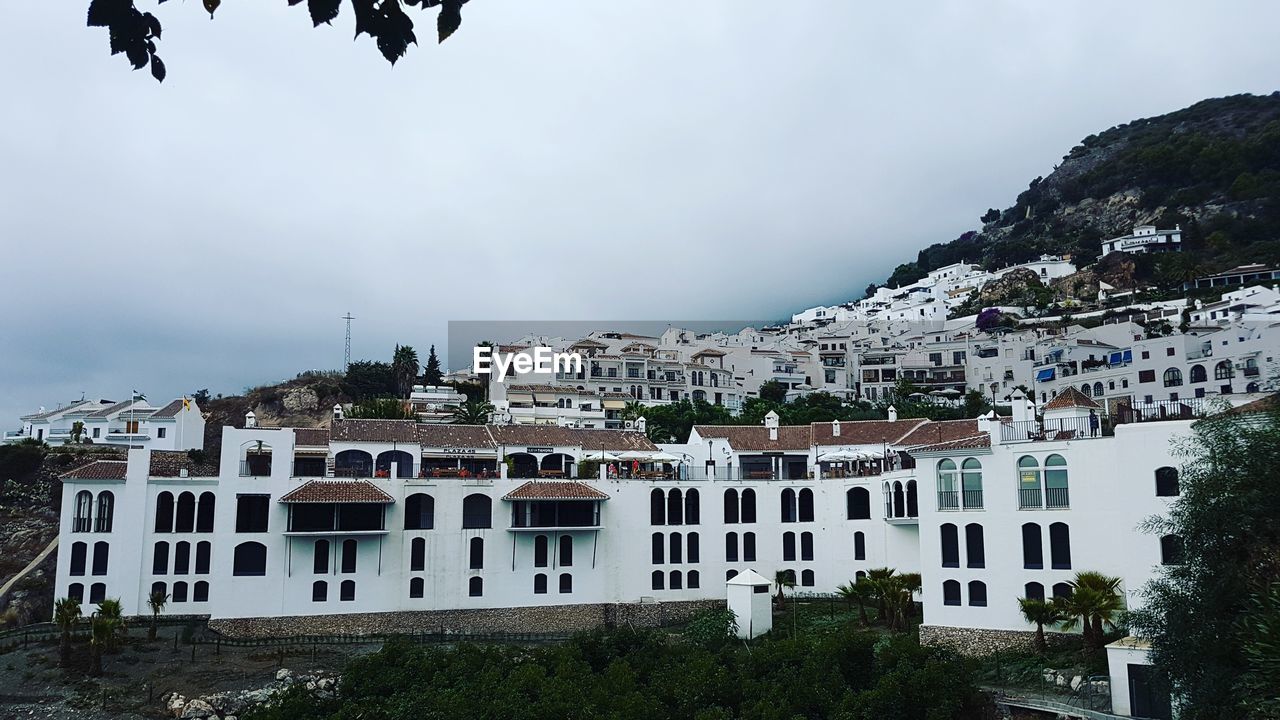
x: 1146, y: 376
x: 252, y: 512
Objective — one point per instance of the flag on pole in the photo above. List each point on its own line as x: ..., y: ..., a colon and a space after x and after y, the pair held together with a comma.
x: 186, y: 404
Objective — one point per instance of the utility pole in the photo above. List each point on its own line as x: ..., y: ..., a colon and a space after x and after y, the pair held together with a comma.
x: 346, y: 357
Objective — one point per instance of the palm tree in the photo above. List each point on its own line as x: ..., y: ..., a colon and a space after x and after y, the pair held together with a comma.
x: 106, y: 625
x: 881, y: 579
x: 404, y: 368
x: 472, y: 412
x: 1113, y: 602
x: 111, y: 608
x: 784, y: 579
x: 1040, y: 613
x: 1095, y: 602
x: 66, y: 613
x: 860, y: 592
x: 156, y: 602
x: 633, y: 410
x: 909, y: 585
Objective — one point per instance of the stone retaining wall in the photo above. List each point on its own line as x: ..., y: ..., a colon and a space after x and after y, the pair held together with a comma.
x: 540, y: 619
x: 978, y: 642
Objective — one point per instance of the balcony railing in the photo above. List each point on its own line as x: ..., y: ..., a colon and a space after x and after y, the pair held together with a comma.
x: 1187, y: 409
x: 1030, y: 499
x: 972, y: 499
x: 1057, y: 498
x: 1051, y: 498
x: 948, y: 500
x: 1077, y: 428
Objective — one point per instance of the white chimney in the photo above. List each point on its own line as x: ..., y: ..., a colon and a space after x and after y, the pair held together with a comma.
x: 250, y: 420
x: 771, y: 422
x: 337, y: 412
x: 641, y: 423
x: 893, y: 413
x: 835, y: 428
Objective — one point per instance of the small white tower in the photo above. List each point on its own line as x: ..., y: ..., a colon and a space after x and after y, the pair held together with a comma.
x: 750, y: 602
x: 771, y: 422
x: 641, y: 423
x: 250, y: 420
x: 835, y: 428
x: 337, y: 412
x: 893, y: 413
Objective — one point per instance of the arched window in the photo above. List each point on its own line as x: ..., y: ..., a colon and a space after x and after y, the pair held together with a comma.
x: 477, y: 512
x: 79, y: 553
x: 540, y: 553
x: 164, y: 512
x: 788, y: 547
x: 540, y: 584
x: 658, y: 546
x: 97, y: 592
x: 1252, y: 387
x: 975, y: 552
x: 566, y: 551
x: 1033, y: 591
x: 899, y: 507
x: 353, y: 463
x: 475, y: 587
x: 1172, y: 377
x: 1061, y: 590
x: 1097, y: 390
x: 806, y: 546
x: 1167, y: 482
x: 730, y: 574
x: 691, y: 580
x: 319, y: 591
x: 789, y: 505
x: 1223, y: 371
x: 203, y: 550
x: 182, y: 558
x: 674, y: 550
x: 806, y: 578
x: 418, y: 555
x: 1056, y: 494
x: 913, y: 501
x: 658, y: 580
x: 749, y: 547
x: 730, y: 507
x: 951, y: 592
x: 675, y: 507
x: 566, y: 583
x: 860, y: 575
x: 887, y: 492
x: 83, y: 521
x: 249, y: 558
x: 75, y: 591
x: 1032, y: 548
x: 1171, y: 550
x: 186, y: 519
x: 347, y: 591
x: 858, y: 504
x: 419, y: 512
x: 1087, y: 390
x: 657, y: 507
x: 731, y: 547
x: 179, y: 592
x: 350, y: 550
x: 1029, y: 483
x: 417, y: 587
x: 948, y: 485
x: 402, y: 459
x: 971, y: 483
x: 159, y: 588
x: 320, y: 557
x: 859, y: 546
x: 950, y: 546
x: 806, y: 505
x: 205, y: 512
x: 977, y: 593
x: 106, y: 506
x: 200, y: 591
x: 475, y: 553
x: 1198, y: 374
x: 101, y: 550
x: 692, y: 508
x: 159, y: 558
x: 691, y: 541
x: 1059, y: 546
x: 748, y: 505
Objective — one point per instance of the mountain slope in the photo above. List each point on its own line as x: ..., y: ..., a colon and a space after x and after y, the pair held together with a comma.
x: 1213, y: 168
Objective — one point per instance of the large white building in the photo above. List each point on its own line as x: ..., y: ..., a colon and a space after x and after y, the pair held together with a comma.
x: 177, y: 425
x: 1145, y: 239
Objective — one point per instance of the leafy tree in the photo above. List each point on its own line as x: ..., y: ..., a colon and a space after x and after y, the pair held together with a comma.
x: 785, y: 580
x: 773, y: 391
x: 472, y: 412
x: 66, y: 613
x: 988, y: 319
x: 136, y: 33
x: 404, y: 368
x: 201, y: 396
x: 18, y: 461
x: 369, y: 379
x: 381, y: 409
x: 433, y: 374
x: 1040, y: 613
x: 1260, y: 636
x: 712, y: 628
x: 156, y: 601
x: 990, y: 216
x: 1198, y: 613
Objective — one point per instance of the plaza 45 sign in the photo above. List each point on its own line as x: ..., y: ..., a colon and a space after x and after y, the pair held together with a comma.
x: 452, y: 451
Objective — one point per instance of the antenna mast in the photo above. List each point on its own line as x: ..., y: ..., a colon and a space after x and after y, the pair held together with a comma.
x: 346, y: 358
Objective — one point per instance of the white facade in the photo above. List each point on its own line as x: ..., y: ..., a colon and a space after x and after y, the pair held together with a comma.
x: 178, y: 425
x: 1145, y: 239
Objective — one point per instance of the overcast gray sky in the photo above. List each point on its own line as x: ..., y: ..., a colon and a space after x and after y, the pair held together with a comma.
x: 558, y: 159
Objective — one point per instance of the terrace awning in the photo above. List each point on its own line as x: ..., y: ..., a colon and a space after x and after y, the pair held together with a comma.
x: 1045, y: 375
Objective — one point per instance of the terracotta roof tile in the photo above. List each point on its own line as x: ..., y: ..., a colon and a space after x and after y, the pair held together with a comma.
x: 866, y: 432
x: 461, y: 436
x: 311, y: 437
x: 80, y: 405
x: 337, y: 491
x: 555, y: 490
x: 112, y: 408
x: 939, y: 432
x: 172, y: 409
x: 170, y: 463
x: 1071, y: 398
x: 970, y: 443
x: 374, y: 431
x: 99, y: 470
x: 755, y: 438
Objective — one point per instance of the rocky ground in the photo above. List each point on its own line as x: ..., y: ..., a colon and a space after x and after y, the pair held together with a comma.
x: 155, y: 680
x: 23, y: 535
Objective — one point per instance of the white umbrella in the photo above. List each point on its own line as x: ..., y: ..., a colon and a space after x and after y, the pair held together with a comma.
x: 665, y: 457
x: 600, y: 455
x: 634, y: 455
